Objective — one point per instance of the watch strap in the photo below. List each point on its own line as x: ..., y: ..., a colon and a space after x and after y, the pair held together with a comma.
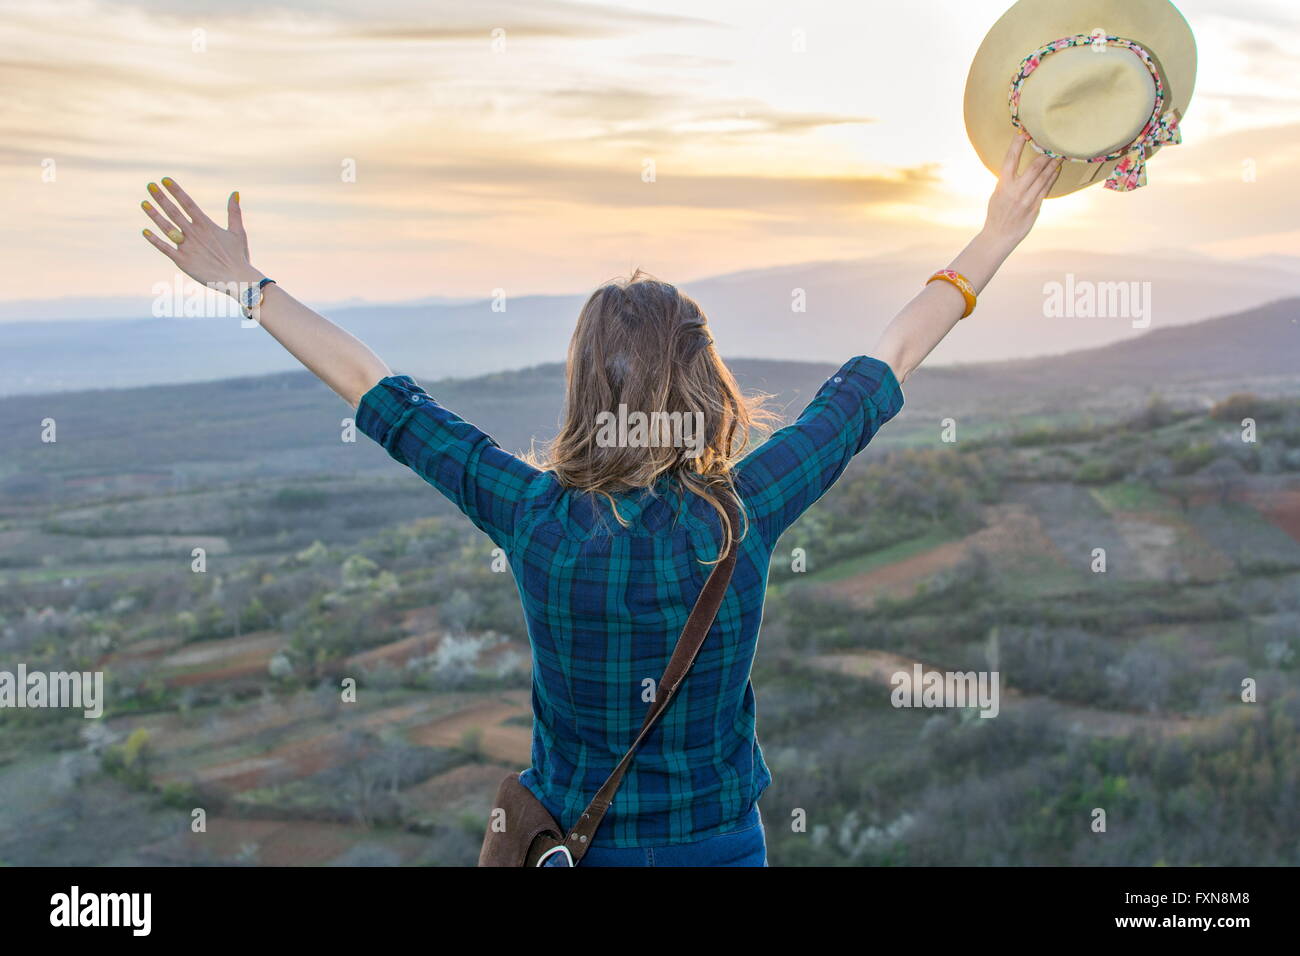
x: 254, y: 296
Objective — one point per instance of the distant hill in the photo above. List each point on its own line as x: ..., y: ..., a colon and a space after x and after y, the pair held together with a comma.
x: 846, y: 303
x: 289, y: 423
x: 1255, y: 350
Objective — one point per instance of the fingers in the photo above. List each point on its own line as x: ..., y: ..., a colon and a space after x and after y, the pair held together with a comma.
x: 164, y: 248
x: 168, y: 207
x: 189, y: 205
x: 235, y: 216
x: 1039, y: 187
x: 1012, y: 161
x: 1051, y: 182
x: 162, y: 222
x: 1025, y: 179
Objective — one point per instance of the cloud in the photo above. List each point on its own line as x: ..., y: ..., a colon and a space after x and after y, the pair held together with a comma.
x: 534, y: 156
x: 425, y: 20
x: 655, y: 119
x: 601, y: 186
x: 681, y: 61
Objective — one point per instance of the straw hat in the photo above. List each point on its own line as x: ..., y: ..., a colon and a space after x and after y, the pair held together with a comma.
x: 1103, y: 83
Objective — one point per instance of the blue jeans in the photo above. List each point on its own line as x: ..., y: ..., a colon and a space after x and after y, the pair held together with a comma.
x: 744, y: 846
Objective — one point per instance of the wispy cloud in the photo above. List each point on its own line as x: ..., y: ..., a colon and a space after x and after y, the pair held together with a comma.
x: 475, y: 155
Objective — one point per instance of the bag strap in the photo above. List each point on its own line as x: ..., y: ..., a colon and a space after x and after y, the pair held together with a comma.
x: 688, y: 646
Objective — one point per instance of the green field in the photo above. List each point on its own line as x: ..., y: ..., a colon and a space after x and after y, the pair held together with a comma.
x: 224, y: 687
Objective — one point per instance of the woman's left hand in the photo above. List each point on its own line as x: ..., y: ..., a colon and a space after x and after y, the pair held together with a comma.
x: 216, y: 257
x: 1014, y: 205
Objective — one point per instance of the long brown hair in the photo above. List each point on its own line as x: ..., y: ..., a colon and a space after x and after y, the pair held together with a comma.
x: 642, y: 344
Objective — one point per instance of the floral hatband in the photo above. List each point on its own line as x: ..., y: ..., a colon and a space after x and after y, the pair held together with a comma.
x: 1161, y: 129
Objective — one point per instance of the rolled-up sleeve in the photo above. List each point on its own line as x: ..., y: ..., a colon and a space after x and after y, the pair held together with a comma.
x: 786, y: 474
x: 454, y: 456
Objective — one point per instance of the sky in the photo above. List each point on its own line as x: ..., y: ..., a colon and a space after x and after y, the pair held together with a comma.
x: 503, y: 144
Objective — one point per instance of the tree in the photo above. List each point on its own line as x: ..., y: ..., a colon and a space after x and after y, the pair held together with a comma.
x: 357, y: 572
x: 458, y: 610
x: 1226, y: 476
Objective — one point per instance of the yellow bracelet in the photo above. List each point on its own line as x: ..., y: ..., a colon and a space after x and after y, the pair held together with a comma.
x: 960, y: 283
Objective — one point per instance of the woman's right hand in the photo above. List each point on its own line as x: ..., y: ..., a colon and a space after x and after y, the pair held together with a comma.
x: 215, y: 257
x: 1015, y: 203
x: 218, y: 258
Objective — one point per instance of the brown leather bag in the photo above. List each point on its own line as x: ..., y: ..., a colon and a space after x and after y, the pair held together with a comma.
x: 522, y: 831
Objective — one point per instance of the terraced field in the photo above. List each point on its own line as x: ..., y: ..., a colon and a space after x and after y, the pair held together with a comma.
x: 281, y: 775
x: 1050, y: 530
x: 878, y: 669
x: 1124, y: 688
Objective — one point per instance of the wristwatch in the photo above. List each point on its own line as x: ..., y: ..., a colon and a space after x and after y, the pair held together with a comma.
x: 252, y: 297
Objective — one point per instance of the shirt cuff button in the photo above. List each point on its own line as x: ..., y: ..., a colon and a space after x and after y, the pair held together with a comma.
x: 837, y: 380
x: 415, y: 399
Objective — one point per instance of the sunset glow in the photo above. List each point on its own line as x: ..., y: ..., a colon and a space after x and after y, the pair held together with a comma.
x: 516, y: 159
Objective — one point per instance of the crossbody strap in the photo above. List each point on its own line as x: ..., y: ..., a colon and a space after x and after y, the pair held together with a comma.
x: 688, y: 646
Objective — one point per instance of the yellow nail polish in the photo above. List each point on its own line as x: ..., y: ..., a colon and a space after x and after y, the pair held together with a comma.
x: 153, y: 188
x: 146, y: 205
x: 236, y: 195
x: 168, y: 182
x: 175, y: 236
x: 147, y: 234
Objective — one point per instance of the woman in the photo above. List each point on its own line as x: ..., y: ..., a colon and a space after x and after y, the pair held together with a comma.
x: 610, y: 542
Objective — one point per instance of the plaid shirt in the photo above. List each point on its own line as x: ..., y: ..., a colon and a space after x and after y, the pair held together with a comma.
x: 605, y: 604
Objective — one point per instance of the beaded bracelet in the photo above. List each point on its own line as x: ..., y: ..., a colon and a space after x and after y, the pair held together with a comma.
x: 960, y: 283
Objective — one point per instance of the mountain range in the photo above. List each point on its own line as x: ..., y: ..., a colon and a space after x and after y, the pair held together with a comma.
x: 289, y: 423
x: 755, y: 314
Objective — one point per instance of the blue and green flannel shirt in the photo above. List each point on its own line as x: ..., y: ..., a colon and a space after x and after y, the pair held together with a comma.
x: 605, y: 604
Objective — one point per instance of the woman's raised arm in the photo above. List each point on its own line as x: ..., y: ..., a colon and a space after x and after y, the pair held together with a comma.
x: 219, y: 259
x: 924, y: 321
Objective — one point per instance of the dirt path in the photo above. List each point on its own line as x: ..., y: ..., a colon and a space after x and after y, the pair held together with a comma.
x: 301, y: 756
x: 1008, y: 528
x: 899, y: 579
x: 395, y: 653
x: 1282, y: 507
x: 509, y: 743
x: 226, y: 659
